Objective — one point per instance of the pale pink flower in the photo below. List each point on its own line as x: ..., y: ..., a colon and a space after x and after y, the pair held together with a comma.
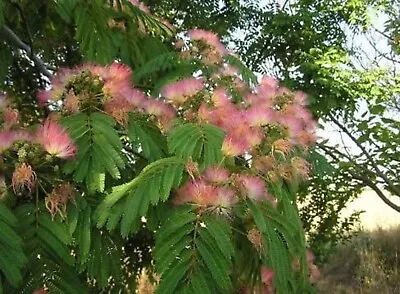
x: 179, y: 92
x: 118, y: 108
x: 233, y: 146
x: 301, y: 167
x: 251, y: 186
x: 55, y: 140
x: 23, y: 178
x: 254, y: 137
x: 283, y: 146
x: 267, y: 278
x: 11, y: 118
x: 199, y: 192
x: 225, y: 197
x: 7, y: 139
x: 136, y: 98
x: 257, y: 116
x: 220, y: 97
x: 71, y: 102
x: 216, y: 174
x: 208, y: 37
x: 300, y: 98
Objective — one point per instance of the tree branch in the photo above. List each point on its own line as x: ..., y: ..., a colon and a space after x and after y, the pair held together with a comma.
x: 43, y: 68
x: 367, y: 181
x: 392, y: 187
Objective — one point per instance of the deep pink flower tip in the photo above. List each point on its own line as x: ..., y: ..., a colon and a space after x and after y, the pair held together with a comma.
x: 267, y: 275
x: 55, y: 140
x: 119, y: 72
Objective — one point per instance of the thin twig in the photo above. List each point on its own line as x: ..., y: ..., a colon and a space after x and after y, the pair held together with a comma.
x: 43, y: 68
x: 367, y: 181
x: 371, y: 161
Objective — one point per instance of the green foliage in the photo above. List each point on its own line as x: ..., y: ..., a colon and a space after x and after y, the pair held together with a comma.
x: 99, y: 149
x: 130, y: 201
x: 146, y: 135
x: 12, y: 258
x: 201, y: 142
x: 46, y: 244
x: 191, y: 251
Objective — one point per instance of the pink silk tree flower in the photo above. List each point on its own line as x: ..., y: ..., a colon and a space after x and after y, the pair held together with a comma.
x: 209, y: 38
x: 7, y: 139
x: 251, y: 186
x: 55, y: 140
x: 23, y: 178
x: 179, y: 92
x: 258, y: 116
x: 225, y: 197
x: 233, y: 146
x: 220, y: 97
x: 216, y: 175
x: 11, y: 118
x: 301, y: 167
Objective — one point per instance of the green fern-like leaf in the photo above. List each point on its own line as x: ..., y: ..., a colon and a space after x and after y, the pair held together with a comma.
x: 99, y: 149
x: 161, y: 63
x: 12, y: 257
x: 46, y: 243
x: 93, y: 32
x: 104, y: 259
x: 205, y: 241
x: 201, y: 142
x: 146, y: 135
x: 152, y: 185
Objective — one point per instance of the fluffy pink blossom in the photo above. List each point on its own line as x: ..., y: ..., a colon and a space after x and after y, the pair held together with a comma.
x: 251, y: 186
x: 233, y: 146
x: 55, y: 140
x: 225, y: 197
x: 8, y: 138
x: 216, y: 174
x: 199, y: 192
x: 257, y: 116
x: 208, y: 37
x: 179, y: 92
x: 267, y: 278
x: 220, y: 97
x: 11, y: 117
x: 118, y: 108
x: 136, y: 98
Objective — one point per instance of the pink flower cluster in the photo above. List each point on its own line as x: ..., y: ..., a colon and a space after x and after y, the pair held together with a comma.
x: 179, y: 92
x: 119, y: 99
x: 51, y: 136
x: 209, y: 38
x: 217, y: 187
